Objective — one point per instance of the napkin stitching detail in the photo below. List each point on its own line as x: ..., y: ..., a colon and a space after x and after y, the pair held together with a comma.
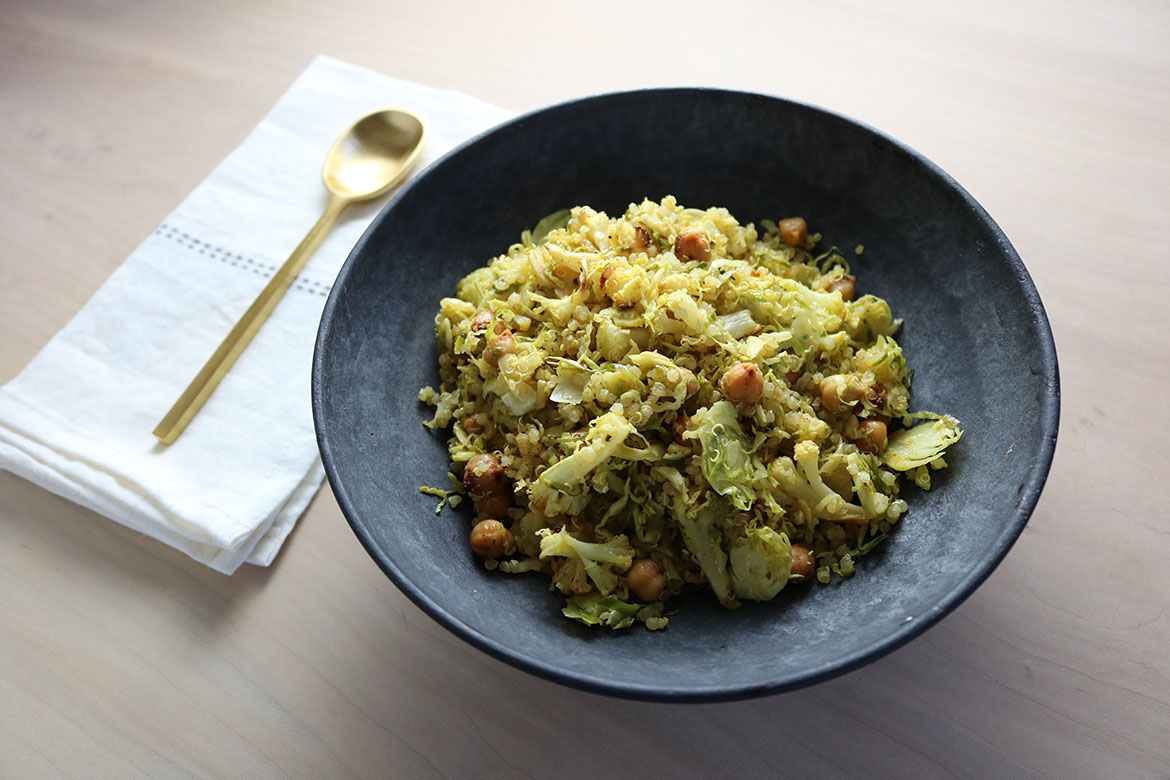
x: 235, y: 259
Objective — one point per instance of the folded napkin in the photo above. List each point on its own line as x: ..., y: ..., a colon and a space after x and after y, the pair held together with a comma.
x: 78, y: 420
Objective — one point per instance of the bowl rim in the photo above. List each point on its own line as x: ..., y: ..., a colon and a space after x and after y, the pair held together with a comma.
x: 911, y: 629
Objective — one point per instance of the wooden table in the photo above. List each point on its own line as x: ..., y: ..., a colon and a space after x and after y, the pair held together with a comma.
x: 122, y: 658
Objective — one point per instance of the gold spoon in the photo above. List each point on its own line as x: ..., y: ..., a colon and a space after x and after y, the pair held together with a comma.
x: 369, y: 158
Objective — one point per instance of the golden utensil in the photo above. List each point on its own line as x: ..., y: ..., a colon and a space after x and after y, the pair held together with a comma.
x: 369, y: 158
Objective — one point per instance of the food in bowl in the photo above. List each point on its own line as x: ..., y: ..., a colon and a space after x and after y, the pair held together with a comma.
x: 668, y: 400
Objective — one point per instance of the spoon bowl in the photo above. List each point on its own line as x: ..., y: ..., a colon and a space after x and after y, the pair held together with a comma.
x: 374, y: 154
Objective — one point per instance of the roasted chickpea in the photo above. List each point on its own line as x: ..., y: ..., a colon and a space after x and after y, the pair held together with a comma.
x: 743, y: 382
x: 846, y: 285
x: 497, y: 347
x: 484, y: 479
x: 493, y: 504
x: 642, y: 238
x: 839, y: 392
x: 692, y: 244
x: 793, y: 231
x: 871, y: 436
x: 490, y: 539
x: 646, y: 579
x: 480, y: 322
x: 483, y: 474
x: 692, y: 381
x: 679, y: 427
x: 804, y: 565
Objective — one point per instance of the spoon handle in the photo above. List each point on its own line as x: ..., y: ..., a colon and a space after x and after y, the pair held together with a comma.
x: 233, y: 345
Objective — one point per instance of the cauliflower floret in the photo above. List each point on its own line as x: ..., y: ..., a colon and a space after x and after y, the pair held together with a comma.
x: 873, y: 499
x: 803, y: 480
x: 601, y: 562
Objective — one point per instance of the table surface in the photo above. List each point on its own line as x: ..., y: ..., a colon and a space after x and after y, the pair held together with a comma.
x: 122, y: 658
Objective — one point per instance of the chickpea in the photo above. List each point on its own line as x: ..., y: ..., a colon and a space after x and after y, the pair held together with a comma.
x: 480, y: 322
x: 743, y: 382
x: 846, y: 285
x: 485, y: 480
x: 501, y: 345
x: 793, y: 231
x: 642, y: 238
x: 804, y: 565
x: 692, y: 381
x: 875, y: 396
x: 490, y: 539
x: 692, y: 244
x: 839, y: 392
x: 871, y: 436
x: 493, y: 504
x: 483, y: 474
x: 646, y: 579
x: 679, y: 427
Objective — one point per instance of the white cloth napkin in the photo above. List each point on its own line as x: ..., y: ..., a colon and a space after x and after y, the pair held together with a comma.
x: 78, y: 419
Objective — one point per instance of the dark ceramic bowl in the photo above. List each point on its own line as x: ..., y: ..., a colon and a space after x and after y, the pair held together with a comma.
x: 975, y: 332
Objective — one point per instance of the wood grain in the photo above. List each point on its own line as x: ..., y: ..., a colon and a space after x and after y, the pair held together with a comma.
x: 121, y: 658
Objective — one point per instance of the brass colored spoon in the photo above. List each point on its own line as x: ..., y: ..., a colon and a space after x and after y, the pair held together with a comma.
x: 369, y: 158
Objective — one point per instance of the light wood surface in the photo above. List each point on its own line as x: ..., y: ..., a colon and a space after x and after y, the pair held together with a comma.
x: 122, y: 658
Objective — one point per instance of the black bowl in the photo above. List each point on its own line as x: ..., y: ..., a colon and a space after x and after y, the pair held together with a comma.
x: 975, y: 331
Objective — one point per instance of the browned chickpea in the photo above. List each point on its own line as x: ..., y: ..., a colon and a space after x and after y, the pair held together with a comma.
x: 804, y: 565
x: 692, y: 381
x: 679, y: 427
x: 485, y: 480
x: 642, y: 238
x: 793, y: 231
x: 480, y: 322
x: 839, y: 392
x: 483, y: 474
x: 846, y: 285
x: 646, y: 579
x: 493, y: 504
x: 490, y: 539
x: 743, y: 382
x: 497, y: 347
x: 692, y: 244
x: 871, y: 436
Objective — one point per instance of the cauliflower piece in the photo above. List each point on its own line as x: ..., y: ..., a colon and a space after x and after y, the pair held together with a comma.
x: 803, y: 480
x: 601, y: 562
x: 874, y: 498
x: 761, y: 563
